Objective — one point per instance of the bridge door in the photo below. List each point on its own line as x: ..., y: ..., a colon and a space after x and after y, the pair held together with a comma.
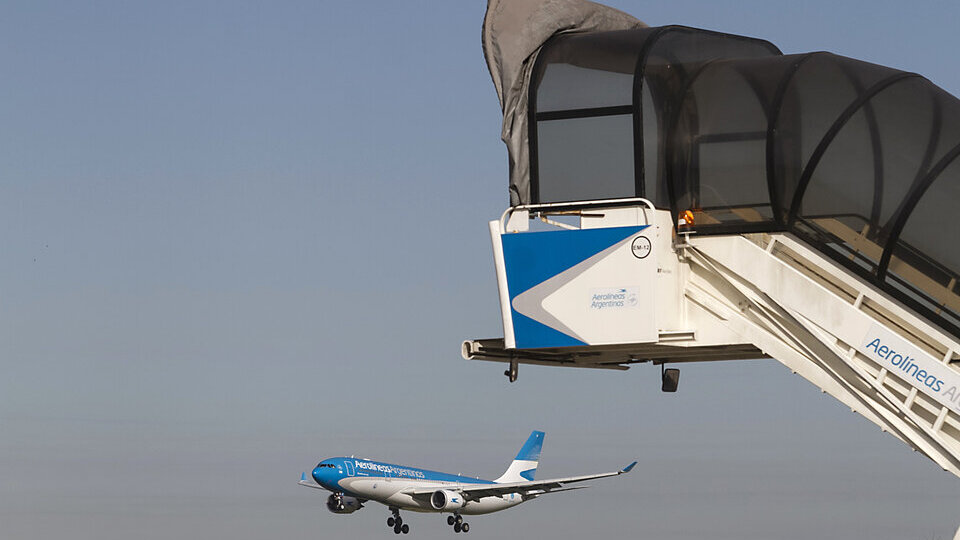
x: 349, y: 468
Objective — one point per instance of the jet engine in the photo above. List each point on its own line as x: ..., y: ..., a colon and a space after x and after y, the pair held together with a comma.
x: 445, y: 500
x: 339, y: 503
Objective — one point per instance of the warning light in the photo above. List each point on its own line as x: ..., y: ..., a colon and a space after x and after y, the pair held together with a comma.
x: 686, y: 219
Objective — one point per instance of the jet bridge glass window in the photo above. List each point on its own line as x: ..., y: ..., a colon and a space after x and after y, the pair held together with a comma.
x: 595, y: 98
x: 583, y: 119
x: 856, y: 159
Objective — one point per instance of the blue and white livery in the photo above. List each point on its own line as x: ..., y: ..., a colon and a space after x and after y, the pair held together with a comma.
x: 355, y: 481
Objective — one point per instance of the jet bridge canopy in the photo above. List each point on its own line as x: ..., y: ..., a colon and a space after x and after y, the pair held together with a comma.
x: 815, y: 193
x: 856, y: 159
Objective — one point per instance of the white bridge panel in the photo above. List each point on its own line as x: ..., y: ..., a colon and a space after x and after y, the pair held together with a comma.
x: 578, y: 287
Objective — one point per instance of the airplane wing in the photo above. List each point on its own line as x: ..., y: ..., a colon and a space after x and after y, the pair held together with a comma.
x: 533, y: 488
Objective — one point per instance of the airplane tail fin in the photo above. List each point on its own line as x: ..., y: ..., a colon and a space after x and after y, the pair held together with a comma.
x: 524, y: 466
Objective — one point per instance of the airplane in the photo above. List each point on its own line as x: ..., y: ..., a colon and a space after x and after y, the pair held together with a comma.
x: 355, y: 481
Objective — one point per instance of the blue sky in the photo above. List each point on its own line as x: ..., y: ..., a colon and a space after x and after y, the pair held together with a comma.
x: 243, y: 236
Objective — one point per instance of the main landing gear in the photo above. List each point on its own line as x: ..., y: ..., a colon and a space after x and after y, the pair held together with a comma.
x: 458, y: 525
x: 397, y: 523
x: 337, y: 500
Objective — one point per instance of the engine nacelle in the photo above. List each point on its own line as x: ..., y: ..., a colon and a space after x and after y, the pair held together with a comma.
x: 342, y: 504
x: 445, y: 500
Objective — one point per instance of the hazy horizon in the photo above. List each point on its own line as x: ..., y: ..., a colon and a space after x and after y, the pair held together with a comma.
x: 242, y: 237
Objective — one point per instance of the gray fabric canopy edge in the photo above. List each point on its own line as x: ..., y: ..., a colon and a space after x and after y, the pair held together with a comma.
x: 513, y: 33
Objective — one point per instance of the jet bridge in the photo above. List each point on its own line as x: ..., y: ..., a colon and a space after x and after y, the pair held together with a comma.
x: 680, y: 195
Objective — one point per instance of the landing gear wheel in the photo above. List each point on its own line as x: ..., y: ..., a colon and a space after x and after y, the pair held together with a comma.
x: 390, y: 521
x: 465, y: 527
x: 456, y: 527
x: 405, y: 528
x: 459, y: 519
x: 451, y: 520
x: 397, y: 528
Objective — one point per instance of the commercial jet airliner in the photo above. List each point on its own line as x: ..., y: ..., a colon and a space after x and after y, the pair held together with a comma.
x: 355, y: 481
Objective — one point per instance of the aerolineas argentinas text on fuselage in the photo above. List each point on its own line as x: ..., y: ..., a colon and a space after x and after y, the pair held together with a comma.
x: 354, y: 482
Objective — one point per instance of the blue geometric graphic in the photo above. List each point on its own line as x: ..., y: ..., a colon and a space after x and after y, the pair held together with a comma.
x: 532, y: 258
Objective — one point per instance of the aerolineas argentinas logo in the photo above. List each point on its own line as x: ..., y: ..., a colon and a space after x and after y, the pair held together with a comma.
x: 614, y: 298
x: 905, y: 363
x: 390, y: 469
x: 913, y: 365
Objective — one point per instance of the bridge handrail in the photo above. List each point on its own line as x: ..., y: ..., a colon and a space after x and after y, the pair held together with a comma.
x: 504, y: 218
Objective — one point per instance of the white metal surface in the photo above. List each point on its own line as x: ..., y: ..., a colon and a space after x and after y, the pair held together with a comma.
x: 814, y: 318
x: 769, y: 295
x: 504, y: 294
x: 582, y: 285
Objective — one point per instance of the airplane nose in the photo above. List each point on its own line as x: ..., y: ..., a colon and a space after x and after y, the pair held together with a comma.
x: 323, y: 477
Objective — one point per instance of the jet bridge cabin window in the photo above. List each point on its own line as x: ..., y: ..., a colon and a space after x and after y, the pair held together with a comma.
x: 717, y: 149
x: 582, y: 121
x: 608, y: 111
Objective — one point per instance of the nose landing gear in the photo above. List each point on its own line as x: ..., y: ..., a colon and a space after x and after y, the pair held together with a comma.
x: 458, y: 525
x: 397, y: 523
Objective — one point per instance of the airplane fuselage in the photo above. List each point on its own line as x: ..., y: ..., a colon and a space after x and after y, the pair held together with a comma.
x: 386, y: 483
